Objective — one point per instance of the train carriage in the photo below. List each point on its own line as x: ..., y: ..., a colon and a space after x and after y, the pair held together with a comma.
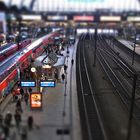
x: 11, y: 70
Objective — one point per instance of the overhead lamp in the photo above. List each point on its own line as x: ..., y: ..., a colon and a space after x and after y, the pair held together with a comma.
x: 47, y: 66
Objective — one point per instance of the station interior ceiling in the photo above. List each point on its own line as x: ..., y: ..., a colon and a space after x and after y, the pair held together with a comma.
x: 108, y: 13
x: 76, y: 5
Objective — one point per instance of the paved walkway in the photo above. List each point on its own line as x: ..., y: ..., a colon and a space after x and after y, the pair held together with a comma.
x: 59, y: 112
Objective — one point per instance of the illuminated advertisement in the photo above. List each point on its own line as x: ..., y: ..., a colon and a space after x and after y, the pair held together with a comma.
x: 110, y: 18
x: 57, y: 18
x: 31, y: 17
x: 47, y: 83
x: 36, y: 100
x: 133, y: 18
x: 83, y: 18
x: 28, y: 83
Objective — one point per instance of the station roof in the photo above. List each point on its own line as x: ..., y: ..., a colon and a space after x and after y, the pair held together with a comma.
x: 76, y: 5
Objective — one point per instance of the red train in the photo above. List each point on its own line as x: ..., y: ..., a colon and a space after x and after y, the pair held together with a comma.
x: 11, y: 48
x: 10, y: 70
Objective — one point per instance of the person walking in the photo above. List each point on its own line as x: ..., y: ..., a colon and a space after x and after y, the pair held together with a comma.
x: 72, y: 62
x: 8, y: 119
x: 26, y: 97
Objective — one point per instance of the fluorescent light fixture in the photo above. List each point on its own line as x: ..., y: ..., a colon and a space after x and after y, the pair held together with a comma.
x: 46, y: 66
x: 80, y: 31
x: 91, y: 31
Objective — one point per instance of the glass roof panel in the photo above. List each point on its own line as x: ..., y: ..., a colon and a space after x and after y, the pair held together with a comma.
x: 86, y: 5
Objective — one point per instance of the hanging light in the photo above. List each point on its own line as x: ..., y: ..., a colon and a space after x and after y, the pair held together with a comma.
x: 47, y: 66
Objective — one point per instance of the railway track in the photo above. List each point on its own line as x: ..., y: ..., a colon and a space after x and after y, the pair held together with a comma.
x: 109, y: 60
x: 92, y: 125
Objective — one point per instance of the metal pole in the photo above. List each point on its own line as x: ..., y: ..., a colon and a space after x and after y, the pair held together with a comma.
x: 37, y: 82
x: 132, y: 107
x: 133, y: 56
x: 95, y: 44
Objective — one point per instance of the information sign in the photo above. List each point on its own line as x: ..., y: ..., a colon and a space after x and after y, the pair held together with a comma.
x: 28, y: 83
x: 47, y: 83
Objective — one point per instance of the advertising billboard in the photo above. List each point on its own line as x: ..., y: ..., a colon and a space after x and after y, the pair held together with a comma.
x: 110, y: 18
x: 83, y: 18
x: 31, y: 17
x: 57, y: 18
x: 133, y: 18
x: 36, y: 100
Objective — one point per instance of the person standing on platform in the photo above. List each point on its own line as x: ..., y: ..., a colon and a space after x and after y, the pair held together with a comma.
x: 22, y: 92
x: 17, y: 119
x: 6, y: 131
x: 30, y: 90
x: 63, y: 77
x: 18, y: 106
x: 1, y: 120
x: 56, y: 76
x: 65, y: 68
x: 30, y: 122
x: 18, y: 83
x: 15, y: 97
x: 23, y: 134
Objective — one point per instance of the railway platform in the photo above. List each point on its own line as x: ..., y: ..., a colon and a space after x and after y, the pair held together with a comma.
x: 59, y: 117
x: 130, y: 45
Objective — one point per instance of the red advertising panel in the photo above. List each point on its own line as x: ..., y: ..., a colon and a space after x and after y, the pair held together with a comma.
x: 36, y: 100
x: 83, y: 18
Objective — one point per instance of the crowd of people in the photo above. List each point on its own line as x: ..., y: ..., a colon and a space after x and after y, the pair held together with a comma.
x: 9, y: 121
x: 7, y: 131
